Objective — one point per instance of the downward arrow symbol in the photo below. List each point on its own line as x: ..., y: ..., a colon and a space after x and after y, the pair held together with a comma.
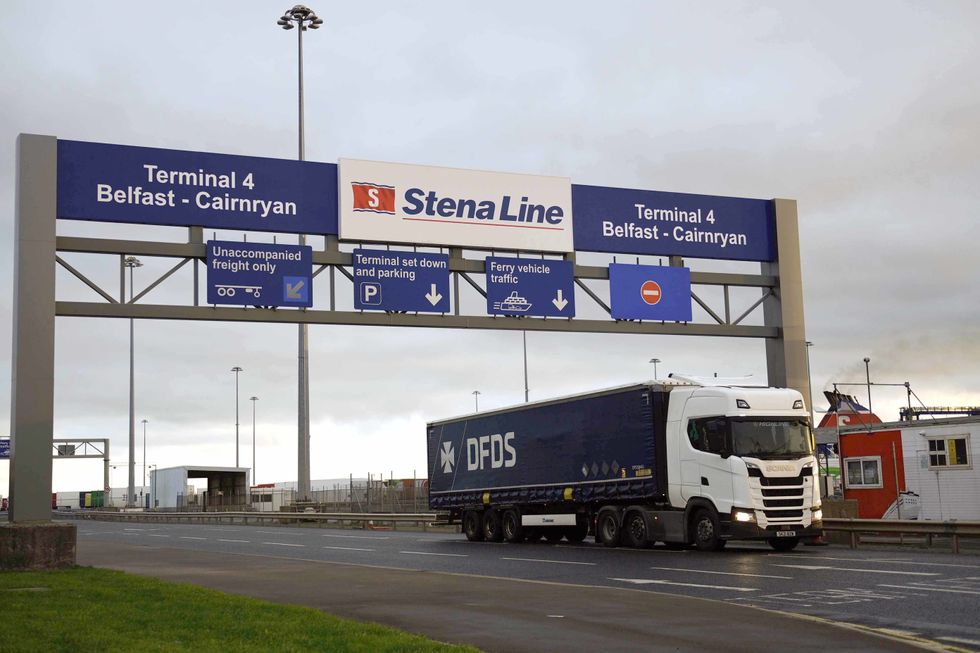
x: 433, y: 295
x: 560, y: 302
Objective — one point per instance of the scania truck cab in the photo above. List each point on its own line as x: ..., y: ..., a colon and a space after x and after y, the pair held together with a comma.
x: 741, y: 464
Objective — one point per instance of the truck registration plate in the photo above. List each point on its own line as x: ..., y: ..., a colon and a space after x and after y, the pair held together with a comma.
x: 785, y: 533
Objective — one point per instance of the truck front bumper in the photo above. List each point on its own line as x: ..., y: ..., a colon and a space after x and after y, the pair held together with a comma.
x: 732, y: 530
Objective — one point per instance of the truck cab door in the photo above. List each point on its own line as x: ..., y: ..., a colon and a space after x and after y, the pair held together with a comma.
x: 708, y: 437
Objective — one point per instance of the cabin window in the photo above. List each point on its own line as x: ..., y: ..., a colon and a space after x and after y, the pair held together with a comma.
x: 949, y: 452
x: 863, y: 472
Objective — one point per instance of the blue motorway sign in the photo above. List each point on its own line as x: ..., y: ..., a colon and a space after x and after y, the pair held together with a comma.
x: 4, y: 448
x: 650, y: 292
x: 386, y: 280
x: 521, y: 286
x: 626, y: 221
x: 121, y: 183
x: 259, y: 274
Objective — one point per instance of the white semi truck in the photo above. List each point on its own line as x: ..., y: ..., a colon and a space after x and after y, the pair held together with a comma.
x: 683, y: 461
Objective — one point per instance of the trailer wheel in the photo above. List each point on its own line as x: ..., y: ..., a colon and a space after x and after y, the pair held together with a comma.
x: 492, y: 532
x: 635, y: 530
x: 707, y: 536
x: 608, y: 532
x: 783, y: 544
x: 512, y: 528
x: 473, y: 526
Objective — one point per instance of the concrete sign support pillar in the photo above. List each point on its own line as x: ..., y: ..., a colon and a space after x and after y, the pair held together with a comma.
x: 31, y: 540
x: 786, y: 354
x: 32, y: 387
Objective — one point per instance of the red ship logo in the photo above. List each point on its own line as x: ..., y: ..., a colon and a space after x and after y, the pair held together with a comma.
x: 373, y: 198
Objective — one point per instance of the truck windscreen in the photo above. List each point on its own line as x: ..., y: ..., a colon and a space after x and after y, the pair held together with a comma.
x: 771, y: 438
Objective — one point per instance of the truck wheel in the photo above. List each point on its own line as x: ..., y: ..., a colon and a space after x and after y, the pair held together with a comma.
x: 513, y: 530
x: 492, y: 532
x: 607, y: 531
x: 635, y: 531
x: 473, y: 526
x: 706, y: 531
x: 784, y: 543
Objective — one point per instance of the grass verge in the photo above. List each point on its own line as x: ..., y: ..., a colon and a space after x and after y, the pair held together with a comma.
x: 86, y: 609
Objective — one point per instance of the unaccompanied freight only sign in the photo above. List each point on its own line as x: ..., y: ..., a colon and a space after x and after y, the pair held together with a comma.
x: 120, y: 183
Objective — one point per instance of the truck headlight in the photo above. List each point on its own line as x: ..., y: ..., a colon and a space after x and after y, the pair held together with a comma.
x: 817, y: 515
x: 743, y: 515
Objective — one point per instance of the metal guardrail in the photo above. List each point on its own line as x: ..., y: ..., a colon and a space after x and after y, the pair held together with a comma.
x: 343, y: 519
x: 953, y: 529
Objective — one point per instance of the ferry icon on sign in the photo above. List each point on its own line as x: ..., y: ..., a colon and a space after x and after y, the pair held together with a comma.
x: 513, y: 303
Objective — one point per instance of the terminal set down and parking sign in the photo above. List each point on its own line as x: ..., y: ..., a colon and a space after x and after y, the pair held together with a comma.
x: 259, y: 274
x: 386, y: 280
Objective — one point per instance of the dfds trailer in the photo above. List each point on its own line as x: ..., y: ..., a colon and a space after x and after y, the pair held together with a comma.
x: 679, y: 461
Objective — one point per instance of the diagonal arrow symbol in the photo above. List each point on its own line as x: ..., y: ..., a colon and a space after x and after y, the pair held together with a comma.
x: 560, y: 302
x: 292, y: 291
x: 433, y: 295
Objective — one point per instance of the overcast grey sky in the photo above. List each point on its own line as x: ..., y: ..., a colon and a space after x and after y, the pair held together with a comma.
x: 864, y: 112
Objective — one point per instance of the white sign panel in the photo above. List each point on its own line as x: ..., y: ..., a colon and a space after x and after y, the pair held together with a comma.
x: 399, y: 203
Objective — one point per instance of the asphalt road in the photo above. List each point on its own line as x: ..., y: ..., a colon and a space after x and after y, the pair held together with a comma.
x: 918, y: 595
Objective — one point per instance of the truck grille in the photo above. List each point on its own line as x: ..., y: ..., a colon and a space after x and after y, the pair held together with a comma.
x: 776, y: 481
x: 783, y: 514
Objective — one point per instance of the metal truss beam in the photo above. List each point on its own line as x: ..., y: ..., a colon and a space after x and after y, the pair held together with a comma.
x: 289, y: 316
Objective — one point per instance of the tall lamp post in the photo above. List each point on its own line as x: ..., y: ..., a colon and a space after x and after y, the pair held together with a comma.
x: 476, y: 398
x: 253, y: 400
x: 153, y: 487
x: 655, y: 361
x: 867, y: 376
x: 304, y: 18
x: 131, y: 262
x: 809, y: 382
x: 143, y: 482
x: 236, y: 370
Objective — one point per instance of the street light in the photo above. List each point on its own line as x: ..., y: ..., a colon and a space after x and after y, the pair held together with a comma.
x: 809, y: 381
x: 655, y: 361
x: 476, y: 398
x: 304, y: 18
x: 153, y: 488
x: 236, y: 370
x: 143, y: 483
x: 253, y: 400
x: 867, y: 376
x: 131, y: 262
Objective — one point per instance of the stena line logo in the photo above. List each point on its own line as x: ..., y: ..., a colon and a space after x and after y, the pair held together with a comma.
x: 430, y: 206
x: 373, y: 198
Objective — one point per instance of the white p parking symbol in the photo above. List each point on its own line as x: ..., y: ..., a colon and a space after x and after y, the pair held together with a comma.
x: 370, y: 293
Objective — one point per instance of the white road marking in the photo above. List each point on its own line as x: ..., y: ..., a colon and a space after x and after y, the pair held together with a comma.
x: 887, y: 560
x: 156, y: 535
x: 868, y: 571
x: 241, y: 541
x: 359, y: 537
x: 723, y: 573
x: 188, y: 537
x: 281, y: 532
x: 282, y: 544
x: 932, y: 589
x: 346, y: 548
x: 554, y: 562
x: 961, y: 640
x: 555, y: 616
x: 647, y: 581
x: 425, y: 553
